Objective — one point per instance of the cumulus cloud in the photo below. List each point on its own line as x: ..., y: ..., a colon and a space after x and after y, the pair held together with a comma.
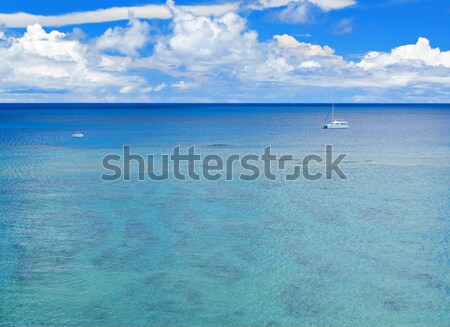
x: 420, y: 53
x: 127, y: 40
x: 289, y: 42
x: 50, y: 61
x: 202, y: 43
x: 51, y: 45
x: 205, y: 52
x: 287, y: 60
x: 310, y: 64
x: 223, y: 49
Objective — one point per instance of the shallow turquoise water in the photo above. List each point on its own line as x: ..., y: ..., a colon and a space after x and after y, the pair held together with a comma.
x: 370, y: 250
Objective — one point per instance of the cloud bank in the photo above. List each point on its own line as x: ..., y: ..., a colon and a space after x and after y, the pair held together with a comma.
x: 209, y: 58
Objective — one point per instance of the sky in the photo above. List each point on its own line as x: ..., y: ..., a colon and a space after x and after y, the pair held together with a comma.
x: 225, y: 51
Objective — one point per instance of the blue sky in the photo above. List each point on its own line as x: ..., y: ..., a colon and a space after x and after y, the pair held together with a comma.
x: 225, y: 51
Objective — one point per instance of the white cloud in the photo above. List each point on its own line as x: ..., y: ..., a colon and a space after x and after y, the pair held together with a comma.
x: 125, y: 40
x: 111, y: 63
x: 127, y: 89
x: 273, y: 68
x: 22, y: 19
x: 344, y: 26
x: 147, y: 89
x: 50, y: 61
x: 108, y: 15
x: 221, y: 49
x: 296, y: 12
x: 333, y: 4
x: 420, y: 53
x: 159, y: 87
x: 326, y: 5
x: 264, y: 4
x: 182, y: 85
x: 310, y: 64
x: 307, y: 49
x: 201, y: 43
x: 210, y: 54
x: 51, y: 45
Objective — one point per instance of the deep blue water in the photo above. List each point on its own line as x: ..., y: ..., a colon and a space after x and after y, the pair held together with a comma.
x: 371, y: 250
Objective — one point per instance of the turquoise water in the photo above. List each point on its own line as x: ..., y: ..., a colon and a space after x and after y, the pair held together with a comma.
x: 371, y: 250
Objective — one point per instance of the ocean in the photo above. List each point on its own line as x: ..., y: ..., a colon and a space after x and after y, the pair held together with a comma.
x: 368, y: 250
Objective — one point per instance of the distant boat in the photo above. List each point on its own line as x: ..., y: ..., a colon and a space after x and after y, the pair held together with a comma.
x: 335, y: 123
x: 78, y: 134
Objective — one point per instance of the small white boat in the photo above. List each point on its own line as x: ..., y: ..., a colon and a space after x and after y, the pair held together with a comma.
x: 335, y: 123
x: 78, y: 134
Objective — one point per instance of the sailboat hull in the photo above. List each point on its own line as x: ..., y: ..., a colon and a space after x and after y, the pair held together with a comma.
x: 332, y: 126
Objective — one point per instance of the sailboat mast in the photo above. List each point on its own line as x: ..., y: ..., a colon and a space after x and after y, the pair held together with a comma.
x: 332, y: 112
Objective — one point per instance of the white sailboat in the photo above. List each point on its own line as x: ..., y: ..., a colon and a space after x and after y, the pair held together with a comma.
x: 335, y: 123
x: 78, y: 134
